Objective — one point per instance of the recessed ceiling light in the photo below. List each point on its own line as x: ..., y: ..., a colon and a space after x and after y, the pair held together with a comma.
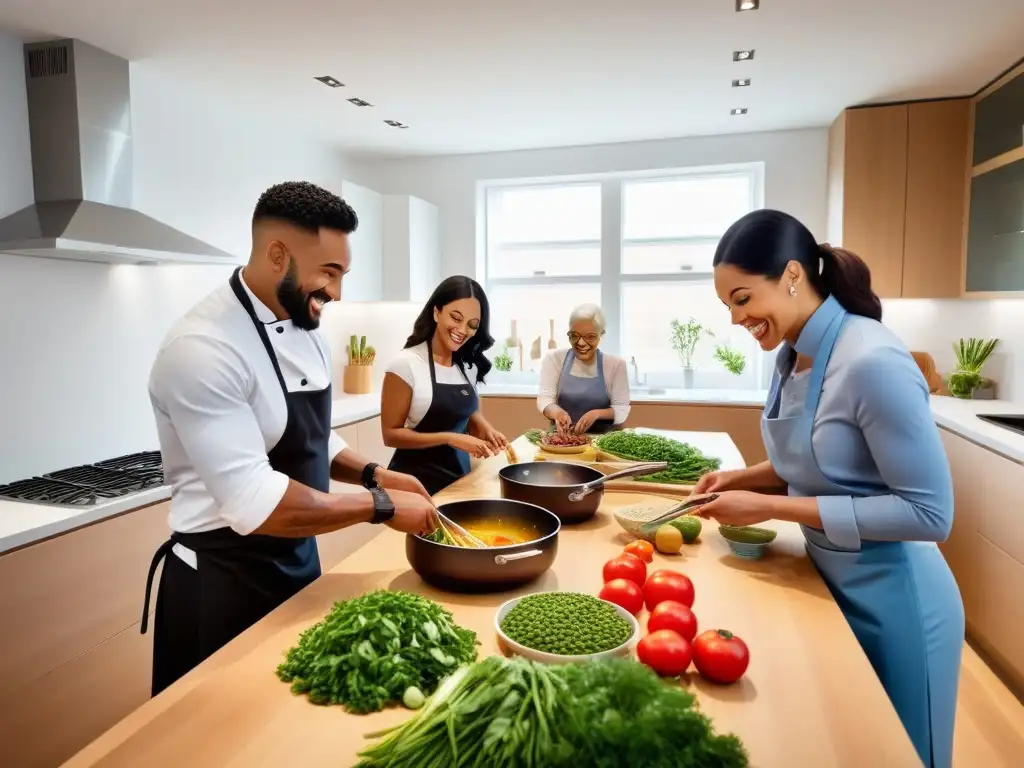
x: 738, y: 111
x: 747, y: 5
x: 743, y: 55
x: 741, y: 83
x: 360, y: 102
x: 330, y: 81
x: 396, y: 124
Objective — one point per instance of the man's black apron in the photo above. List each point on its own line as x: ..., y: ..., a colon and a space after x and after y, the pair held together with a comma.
x: 239, y: 579
x: 451, y: 405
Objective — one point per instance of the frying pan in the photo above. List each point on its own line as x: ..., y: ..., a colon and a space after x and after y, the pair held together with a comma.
x: 486, y: 569
x: 572, y: 492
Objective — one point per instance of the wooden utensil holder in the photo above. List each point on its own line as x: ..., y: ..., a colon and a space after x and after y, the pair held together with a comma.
x: 357, y: 379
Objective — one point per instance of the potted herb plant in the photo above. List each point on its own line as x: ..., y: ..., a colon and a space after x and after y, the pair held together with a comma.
x: 685, y: 337
x: 503, y: 362
x: 358, y: 378
x: 966, y: 381
x: 734, y: 361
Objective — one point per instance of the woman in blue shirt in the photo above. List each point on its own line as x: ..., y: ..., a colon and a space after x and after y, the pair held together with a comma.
x: 854, y: 457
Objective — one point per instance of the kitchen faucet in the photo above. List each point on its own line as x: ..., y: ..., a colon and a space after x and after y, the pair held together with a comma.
x: 636, y: 372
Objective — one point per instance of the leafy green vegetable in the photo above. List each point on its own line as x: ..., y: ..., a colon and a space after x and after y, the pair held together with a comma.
x: 369, y: 650
x: 534, y: 435
x: 566, y: 623
x: 519, y: 714
x: 686, y: 463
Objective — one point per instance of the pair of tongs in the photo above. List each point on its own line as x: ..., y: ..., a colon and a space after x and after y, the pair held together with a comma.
x: 457, y: 533
x: 690, y: 506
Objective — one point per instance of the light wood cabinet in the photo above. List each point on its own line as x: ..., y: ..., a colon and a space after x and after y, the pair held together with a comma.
x: 897, y: 184
x: 985, y: 551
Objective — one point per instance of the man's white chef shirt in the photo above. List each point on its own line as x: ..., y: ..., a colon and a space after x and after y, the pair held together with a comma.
x: 220, y: 410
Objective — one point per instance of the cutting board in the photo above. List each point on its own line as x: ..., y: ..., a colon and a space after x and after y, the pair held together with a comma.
x: 606, y: 463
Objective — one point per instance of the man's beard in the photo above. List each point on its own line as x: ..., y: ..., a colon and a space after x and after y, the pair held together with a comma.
x: 296, y: 302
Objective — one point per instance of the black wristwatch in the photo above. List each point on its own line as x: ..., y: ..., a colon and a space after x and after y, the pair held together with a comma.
x: 367, y: 477
x: 383, y: 506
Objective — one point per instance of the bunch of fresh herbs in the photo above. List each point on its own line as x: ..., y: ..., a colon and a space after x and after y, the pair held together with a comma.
x: 686, y: 463
x: 520, y: 714
x: 733, y: 360
x: 369, y: 651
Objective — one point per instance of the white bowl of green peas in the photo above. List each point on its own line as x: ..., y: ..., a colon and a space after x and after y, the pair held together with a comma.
x: 565, y: 628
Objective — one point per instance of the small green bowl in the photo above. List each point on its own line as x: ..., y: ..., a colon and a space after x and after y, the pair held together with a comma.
x: 746, y: 541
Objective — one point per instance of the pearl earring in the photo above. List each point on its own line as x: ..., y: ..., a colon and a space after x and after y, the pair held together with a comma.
x: 792, y: 290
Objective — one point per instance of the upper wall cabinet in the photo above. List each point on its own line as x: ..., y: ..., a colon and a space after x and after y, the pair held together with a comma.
x: 995, y: 244
x: 896, y: 191
x: 365, y: 281
x: 412, y: 248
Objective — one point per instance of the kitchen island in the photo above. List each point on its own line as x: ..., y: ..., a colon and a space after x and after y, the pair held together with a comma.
x: 809, y: 698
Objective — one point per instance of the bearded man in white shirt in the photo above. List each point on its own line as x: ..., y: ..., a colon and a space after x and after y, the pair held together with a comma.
x: 241, y: 392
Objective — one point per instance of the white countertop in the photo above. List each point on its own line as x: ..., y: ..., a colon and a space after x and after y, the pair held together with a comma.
x: 746, y: 397
x: 23, y: 523
x: 960, y: 418
x: 348, y: 409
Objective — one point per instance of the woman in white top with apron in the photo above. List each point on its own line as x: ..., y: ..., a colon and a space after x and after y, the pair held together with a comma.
x: 430, y: 411
x: 581, y: 388
x: 854, y: 457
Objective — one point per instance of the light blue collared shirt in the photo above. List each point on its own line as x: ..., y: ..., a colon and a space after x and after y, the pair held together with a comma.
x: 873, y: 430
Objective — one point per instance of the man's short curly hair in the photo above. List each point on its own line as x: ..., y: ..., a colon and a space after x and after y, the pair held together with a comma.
x: 307, y: 206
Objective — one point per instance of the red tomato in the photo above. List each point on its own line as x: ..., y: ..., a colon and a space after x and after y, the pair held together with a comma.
x: 720, y: 656
x: 625, y: 593
x: 642, y: 549
x: 626, y: 566
x: 665, y: 651
x: 669, y: 614
x: 668, y: 585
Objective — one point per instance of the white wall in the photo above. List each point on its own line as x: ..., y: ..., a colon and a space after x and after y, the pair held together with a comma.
x: 795, y: 163
x: 933, y: 325
x: 77, y: 340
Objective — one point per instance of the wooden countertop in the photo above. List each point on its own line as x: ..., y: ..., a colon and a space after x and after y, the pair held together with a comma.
x: 809, y: 698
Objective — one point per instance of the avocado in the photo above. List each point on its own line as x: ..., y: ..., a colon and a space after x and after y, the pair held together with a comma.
x: 689, y: 526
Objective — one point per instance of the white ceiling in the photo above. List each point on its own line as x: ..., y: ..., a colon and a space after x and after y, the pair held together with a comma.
x: 489, y: 75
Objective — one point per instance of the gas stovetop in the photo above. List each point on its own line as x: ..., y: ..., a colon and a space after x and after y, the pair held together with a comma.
x: 90, y: 484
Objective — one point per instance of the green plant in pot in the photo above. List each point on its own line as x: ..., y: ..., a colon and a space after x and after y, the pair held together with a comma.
x: 971, y: 356
x: 685, y: 337
x: 734, y: 361
x: 503, y: 362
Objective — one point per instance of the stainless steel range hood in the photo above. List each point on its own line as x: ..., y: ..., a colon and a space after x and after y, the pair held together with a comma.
x: 79, y: 109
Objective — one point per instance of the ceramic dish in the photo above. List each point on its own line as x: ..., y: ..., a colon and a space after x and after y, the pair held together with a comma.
x: 747, y: 542
x: 553, y: 658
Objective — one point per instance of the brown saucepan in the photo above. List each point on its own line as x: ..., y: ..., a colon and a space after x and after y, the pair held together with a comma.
x: 573, y: 492
x: 486, y: 569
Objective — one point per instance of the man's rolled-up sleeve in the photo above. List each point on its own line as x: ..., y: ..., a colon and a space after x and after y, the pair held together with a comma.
x: 201, y: 385
x: 335, y: 445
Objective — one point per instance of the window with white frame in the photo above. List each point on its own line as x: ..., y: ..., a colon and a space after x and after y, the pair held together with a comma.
x: 640, y: 245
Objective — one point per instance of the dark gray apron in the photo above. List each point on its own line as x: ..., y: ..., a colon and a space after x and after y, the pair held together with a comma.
x: 239, y: 579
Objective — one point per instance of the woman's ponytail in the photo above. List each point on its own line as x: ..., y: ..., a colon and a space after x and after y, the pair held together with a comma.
x: 846, y: 276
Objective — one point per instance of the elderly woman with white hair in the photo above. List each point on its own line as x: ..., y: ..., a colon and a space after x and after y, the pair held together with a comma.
x: 581, y: 388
